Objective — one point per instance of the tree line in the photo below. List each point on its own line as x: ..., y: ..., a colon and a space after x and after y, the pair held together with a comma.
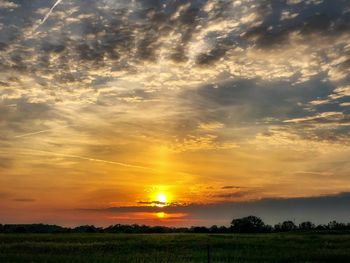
x: 249, y: 224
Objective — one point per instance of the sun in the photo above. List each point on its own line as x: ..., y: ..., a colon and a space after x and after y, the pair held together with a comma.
x: 161, y: 198
x: 161, y: 215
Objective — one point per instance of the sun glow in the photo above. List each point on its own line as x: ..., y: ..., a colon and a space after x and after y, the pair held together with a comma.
x: 161, y: 198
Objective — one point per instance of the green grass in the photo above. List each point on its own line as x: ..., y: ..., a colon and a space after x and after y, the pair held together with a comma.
x: 284, y: 247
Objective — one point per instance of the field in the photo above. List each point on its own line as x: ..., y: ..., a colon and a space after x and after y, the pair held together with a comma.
x: 278, y: 247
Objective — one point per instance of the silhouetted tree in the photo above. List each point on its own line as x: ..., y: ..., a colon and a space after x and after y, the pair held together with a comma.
x: 199, y: 229
x: 181, y: 230
x: 214, y: 229
x: 86, y: 229
x: 32, y: 228
x: 249, y: 224
x: 321, y: 227
x: 286, y: 226
x: 268, y: 229
x: 223, y: 229
x: 334, y: 225
x: 306, y: 226
x: 20, y: 229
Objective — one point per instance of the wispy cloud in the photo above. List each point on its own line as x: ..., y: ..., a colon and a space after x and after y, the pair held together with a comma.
x: 39, y: 132
x: 232, y: 187
x: 32, y: 151
x: 24, y: 200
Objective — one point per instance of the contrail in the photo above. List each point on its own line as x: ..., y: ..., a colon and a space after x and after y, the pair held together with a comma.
x: 128, y: 165
x: 92, y: 159
x: 38, y: 132
x: 48, y: 14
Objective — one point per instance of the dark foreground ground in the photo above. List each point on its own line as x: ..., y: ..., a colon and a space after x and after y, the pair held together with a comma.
x: 285, y: 247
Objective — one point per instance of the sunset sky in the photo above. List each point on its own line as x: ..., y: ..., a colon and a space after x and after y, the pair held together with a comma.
x: 174, y: 112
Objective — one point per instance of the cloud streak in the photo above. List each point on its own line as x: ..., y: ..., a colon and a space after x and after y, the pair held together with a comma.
x: 39, y: 132
x: 32, y: 151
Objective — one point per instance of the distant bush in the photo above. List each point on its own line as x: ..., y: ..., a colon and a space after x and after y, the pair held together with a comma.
x: 87, y: 229
x: 32, y: 228
x: 306, y: 226
x: 249, y: 224
x: 334, y: 225
x: 286, y: 226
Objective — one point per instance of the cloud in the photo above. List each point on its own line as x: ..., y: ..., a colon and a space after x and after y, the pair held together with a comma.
x: 191, y: 92
x: 231, y: 187
x: 35, y: 133
x: 34, y: 151
x: 343, y: 91
x: 4, y: 195
x: 319, y: 209
x: 339, y: 95
x: 5, y: 162
x: 235, y: 195
x: 114, y: 43
x: 24, y: 200
x: 324, y: 117
x: 157, y: 203
x: 4, y: 4
x: 316, y: 173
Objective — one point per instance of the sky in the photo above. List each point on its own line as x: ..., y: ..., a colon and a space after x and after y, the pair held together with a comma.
x: 177, y: 113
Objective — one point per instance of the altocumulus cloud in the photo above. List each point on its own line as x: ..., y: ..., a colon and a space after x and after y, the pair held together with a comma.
x: 211, y: 59
x: 84, y: 41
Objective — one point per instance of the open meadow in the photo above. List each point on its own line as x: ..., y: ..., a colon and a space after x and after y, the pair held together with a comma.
x: 275, y: 247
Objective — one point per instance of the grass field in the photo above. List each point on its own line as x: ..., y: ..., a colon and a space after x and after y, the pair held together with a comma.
x: 284, y: 247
